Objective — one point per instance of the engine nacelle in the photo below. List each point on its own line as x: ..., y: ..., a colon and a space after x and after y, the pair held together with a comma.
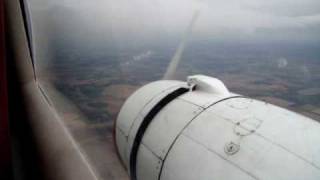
x: 173, y: 130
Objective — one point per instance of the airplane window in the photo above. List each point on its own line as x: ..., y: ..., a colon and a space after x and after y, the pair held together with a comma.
x: 91, y: 55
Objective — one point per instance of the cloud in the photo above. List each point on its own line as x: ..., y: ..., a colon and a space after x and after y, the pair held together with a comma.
x: 139, y: 57
x: 290, y: 8
x: 142, y: 56
x: 254, y: 19
x: 282, y: 63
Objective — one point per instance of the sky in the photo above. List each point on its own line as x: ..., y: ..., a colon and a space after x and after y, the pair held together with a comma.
x: 228, y: 19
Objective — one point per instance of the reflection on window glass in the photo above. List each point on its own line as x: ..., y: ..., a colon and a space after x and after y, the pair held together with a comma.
x: 91, y: 55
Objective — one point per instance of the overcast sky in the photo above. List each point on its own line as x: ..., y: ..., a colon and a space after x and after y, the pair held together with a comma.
x: 246, y: 19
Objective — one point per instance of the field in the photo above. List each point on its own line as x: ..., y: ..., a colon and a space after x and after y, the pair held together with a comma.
x: 97, y: 80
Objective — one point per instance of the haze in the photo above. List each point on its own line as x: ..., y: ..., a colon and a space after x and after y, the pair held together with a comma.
x: 248, y: 20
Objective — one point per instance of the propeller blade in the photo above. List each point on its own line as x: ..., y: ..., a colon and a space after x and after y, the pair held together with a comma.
x: 170, y: 72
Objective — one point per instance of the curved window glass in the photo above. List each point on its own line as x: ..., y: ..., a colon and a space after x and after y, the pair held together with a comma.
x: 91, y: 55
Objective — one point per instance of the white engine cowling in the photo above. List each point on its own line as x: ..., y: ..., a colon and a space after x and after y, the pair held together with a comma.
x: 198, y: 130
